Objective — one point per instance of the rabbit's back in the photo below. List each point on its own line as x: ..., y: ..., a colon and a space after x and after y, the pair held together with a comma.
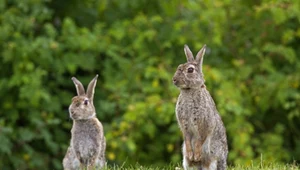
x: 219, y: 147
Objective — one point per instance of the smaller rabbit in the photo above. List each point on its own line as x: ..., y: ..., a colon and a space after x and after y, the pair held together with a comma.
x: 87, y: 147
x: 205, y: 142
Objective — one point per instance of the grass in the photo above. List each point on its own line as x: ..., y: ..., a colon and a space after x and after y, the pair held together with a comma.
x: 270, y: 166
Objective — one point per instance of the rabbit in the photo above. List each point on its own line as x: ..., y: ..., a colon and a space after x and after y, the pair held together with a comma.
x: 205, y: 141
x: 87, y: 146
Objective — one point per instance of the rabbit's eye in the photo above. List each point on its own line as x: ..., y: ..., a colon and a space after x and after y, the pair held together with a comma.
x: 86, y: 102
x: 190, y: 70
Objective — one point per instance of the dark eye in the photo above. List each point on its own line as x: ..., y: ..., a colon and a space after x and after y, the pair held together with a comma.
x: 190, y: 70
x: 86, y: 101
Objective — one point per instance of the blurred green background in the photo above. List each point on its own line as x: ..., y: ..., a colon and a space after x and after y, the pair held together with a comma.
x: 252, y: 70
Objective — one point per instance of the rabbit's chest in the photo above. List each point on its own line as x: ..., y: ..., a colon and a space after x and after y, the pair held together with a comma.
x: 191, y: 107
x: 85, y: 143
x: 192, y: 113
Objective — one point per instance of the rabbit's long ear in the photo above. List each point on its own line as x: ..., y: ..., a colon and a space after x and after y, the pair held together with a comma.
x: 91, y: 88
x: 200, y: 55
x: 188, y: 54
x: 79, y: 87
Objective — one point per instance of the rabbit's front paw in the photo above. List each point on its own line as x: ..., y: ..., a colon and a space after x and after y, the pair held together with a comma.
x: 197, y: 151
x: 190, y: 155
x: 189, y: 150
x: 197, y: 154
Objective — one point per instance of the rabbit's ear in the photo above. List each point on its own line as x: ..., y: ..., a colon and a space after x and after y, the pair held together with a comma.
x: 91, y: 88
x: 79, y: 87
x: 188, y: 54
x: 199, y: 56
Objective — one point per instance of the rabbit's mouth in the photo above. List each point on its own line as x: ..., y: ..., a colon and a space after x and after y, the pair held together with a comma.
x: 73, y: 115
x: 177, y: 82
x: 180, y: 84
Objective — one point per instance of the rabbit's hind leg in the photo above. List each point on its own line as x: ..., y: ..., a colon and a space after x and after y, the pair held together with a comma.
x: 70, y: 161
x: 211, y: 166
x: 222, y: 164
x: 189, y: 166
x: 91, y: 167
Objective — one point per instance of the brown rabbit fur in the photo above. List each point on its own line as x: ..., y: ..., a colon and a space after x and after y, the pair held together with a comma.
x: 87, y: 147
x: 205, y: 141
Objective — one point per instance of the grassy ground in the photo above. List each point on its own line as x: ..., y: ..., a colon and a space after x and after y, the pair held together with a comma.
x: 271, y: 166
x: 266, y: 167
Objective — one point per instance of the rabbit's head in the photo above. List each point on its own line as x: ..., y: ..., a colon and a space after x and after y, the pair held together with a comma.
x: 189, y: 75
x: 82, y: 106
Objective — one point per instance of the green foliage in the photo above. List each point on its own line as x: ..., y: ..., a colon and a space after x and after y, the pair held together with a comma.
x: 252, y: 70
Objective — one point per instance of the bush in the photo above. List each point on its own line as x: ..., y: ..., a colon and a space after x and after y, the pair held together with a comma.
x: 251, y: 68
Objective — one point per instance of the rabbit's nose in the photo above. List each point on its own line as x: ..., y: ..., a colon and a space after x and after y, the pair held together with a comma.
x: 174, y: 80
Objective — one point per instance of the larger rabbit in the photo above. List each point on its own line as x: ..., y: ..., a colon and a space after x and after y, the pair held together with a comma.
x: 87, y: 147
x: 205, y: 142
